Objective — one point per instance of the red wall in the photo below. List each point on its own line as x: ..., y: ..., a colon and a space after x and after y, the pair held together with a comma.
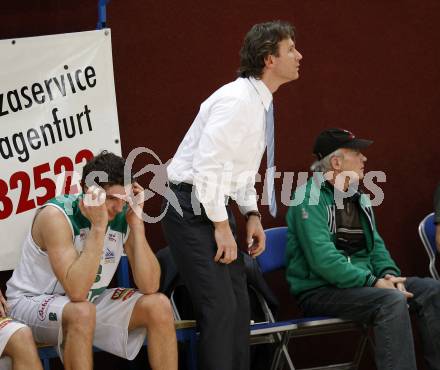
x: 371, y: 67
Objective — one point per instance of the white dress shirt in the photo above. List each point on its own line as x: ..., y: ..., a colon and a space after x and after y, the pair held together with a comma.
x: 221, y: 152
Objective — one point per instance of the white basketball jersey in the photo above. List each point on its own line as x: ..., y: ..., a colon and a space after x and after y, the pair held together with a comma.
x: 34, y: 275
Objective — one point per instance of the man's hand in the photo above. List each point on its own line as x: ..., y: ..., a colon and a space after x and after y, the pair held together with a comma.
x: 226, y: 244
x: 93, y: 206
x: 255, y: 237
x: 136, y: 205
x: 393, y: 282
x: 384, y: 284
x: 3, y: 306
x: 399, y: 283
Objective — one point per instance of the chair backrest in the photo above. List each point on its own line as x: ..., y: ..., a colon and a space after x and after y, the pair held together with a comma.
x: 274, y: 257
x: 427, y: 235
x: 123, y: 273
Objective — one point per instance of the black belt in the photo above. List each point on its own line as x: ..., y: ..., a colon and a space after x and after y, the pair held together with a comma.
x: 184, y: 186
x: 181, y: 186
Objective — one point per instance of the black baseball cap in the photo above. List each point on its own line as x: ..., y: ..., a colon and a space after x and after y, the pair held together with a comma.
x: 334, y: 138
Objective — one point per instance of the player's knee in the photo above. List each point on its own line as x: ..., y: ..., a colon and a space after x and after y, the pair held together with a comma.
x: 80, y: 314
x: 157, y: 308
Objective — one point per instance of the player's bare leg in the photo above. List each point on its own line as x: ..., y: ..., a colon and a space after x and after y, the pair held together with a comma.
x: 21, y: 348
x: 154, y: 312
x: 79, y: 321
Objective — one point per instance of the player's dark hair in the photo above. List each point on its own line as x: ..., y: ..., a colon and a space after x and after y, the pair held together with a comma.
x: 109, y: 163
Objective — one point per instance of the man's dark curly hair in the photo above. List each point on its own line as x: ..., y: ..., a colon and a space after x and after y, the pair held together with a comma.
x: 260, y: 42
x: 109, y: 163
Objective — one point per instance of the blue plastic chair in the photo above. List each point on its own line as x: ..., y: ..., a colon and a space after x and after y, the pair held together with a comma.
x: 427, y: 235
x: 274, y: 258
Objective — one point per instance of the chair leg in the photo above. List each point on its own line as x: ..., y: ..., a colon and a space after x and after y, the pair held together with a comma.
x: 275, y: 360
x: 287, y: 358
x: 361, y: 348
x: 192, y: 355
x: 283, y: 360
x: 282, y: 352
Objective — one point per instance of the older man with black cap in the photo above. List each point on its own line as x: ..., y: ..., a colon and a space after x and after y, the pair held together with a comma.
x: 338, y: 265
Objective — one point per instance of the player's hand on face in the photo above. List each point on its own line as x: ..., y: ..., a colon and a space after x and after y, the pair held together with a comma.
x: 135, y: 201
x: 3, y: 306
x: 93, y: 206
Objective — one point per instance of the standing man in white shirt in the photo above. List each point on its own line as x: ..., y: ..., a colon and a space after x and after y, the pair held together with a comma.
x: 217, y: 161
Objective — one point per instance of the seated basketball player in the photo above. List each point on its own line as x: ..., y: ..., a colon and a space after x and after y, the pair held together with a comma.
x: 68, y: 259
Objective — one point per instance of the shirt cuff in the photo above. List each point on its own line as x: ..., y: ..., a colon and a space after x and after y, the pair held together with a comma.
x: 248, y: 208
x: 371, y: 280
x: 216, y: 213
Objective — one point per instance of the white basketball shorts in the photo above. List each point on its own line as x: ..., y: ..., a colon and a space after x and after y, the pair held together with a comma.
x: 43, y: 314
x: 7, y: 328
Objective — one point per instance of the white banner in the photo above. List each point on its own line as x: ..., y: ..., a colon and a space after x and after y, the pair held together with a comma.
x: 57, y: 109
